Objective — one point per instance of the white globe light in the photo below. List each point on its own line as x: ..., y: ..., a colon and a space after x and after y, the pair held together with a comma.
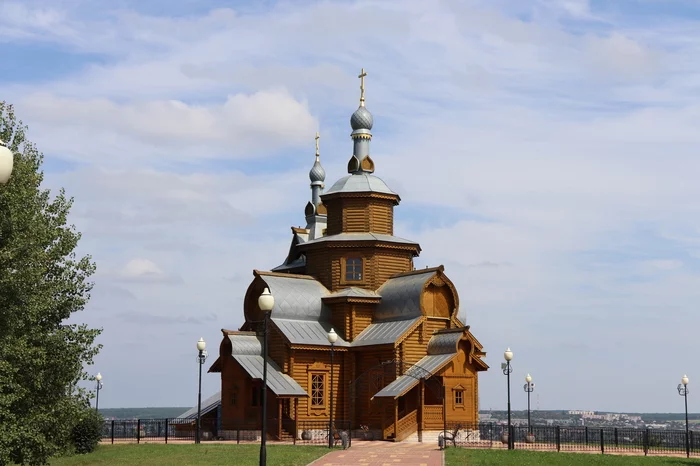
x: 6, y: 162
x: 508, y: 355
x: 684, y: 380
x: 266, y: 301
x: 201, y: 344
x: 332, y: 337
x: 98, y: 377
x: 528, y: 378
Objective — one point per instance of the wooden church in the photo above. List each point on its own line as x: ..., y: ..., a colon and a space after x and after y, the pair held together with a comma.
x: 402, y: 355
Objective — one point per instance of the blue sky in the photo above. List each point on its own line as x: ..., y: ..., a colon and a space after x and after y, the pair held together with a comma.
x: 545, y: 153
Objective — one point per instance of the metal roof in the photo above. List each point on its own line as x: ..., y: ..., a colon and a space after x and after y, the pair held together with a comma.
x: 361, y: 237
x: 401, y: 296
x: 280, y: 384
x: 354, y: 292
x: 246, y: 348
x: 245, y: 344
x: 381, y: 333
x: 295, y: 264
x: 307, y: 332
x: 297, y: 297
x: 444, y: 343
x: 423, y: 369
x: 209, y: 404
x: 359, y: 182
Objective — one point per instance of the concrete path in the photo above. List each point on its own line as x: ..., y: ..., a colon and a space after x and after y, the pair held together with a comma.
x: 383, y: 454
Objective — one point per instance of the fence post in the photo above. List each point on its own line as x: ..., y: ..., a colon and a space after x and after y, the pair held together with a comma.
x: 616, y: 437
x: 112, y: 431
x: 586, y: 434
x: 558, y: 437
x: 167, y: 426
x: 602, y: 442
x: 646, y: 441
x: 138, y: 431
x: 691, y: 441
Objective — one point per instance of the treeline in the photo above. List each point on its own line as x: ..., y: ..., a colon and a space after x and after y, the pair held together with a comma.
x: 142, y: 413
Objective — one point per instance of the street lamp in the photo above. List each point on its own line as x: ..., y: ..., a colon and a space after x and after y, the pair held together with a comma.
x: 201, y: 345
x: 683, y: 391
x: 98, y: 377
x: 265, y: 302
x: 528, y: 387
x: 507, y: 369
x: 332, y: 338
x: 6, y: 162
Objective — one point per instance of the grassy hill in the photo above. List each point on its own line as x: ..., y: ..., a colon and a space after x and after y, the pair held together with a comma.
x: 142, y: 413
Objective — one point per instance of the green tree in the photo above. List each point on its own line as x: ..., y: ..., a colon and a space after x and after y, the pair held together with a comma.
x: 42, y: 283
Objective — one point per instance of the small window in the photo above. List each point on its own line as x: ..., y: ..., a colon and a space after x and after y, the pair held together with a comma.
x: 234, y: 397
x: 353, y: 269
x: 317, y: 390
x: 459, y: 397
x: 255, y: 401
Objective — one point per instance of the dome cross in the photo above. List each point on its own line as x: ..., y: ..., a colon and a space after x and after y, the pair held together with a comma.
x: 362, y: 75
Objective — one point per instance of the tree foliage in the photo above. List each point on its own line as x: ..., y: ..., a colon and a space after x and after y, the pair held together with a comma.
x: 42, y: 283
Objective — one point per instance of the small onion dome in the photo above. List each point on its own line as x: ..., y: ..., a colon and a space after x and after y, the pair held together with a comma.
x: 317, y: 173
x: 361, y: 119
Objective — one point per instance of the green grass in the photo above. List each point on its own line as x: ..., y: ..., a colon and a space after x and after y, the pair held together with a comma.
x: 461, y: 456
x: 190, y: 454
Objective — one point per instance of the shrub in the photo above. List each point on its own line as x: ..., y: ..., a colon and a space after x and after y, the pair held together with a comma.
x: 87, y: 432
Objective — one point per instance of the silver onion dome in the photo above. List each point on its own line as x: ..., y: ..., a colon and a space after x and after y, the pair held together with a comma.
x: 317, y: 173
x: 361, y: 119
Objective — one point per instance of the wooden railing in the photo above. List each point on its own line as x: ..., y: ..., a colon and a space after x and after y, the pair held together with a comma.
x: 407, y: 425
x: 432, y: 417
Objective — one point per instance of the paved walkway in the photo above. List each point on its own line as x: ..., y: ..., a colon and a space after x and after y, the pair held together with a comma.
x: 383, y: 454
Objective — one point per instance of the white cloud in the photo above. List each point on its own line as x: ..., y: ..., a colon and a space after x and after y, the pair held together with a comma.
x: 136, y: 268
x: 243, y: 126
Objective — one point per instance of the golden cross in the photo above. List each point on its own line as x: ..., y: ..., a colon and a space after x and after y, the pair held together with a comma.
x: 362, y: 86
x: 317, y: 138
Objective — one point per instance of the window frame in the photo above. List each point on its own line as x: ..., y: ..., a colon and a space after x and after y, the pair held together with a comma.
x: 323, y: 408
x: 344, y: 280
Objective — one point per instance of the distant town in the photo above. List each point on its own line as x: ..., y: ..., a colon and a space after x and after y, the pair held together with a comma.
x: 594, y: 419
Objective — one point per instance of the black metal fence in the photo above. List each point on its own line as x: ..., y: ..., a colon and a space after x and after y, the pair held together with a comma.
x: 575, y: 438
x: 185, y: 430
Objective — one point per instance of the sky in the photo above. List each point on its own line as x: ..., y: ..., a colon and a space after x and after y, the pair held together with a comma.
x: 545, y: 153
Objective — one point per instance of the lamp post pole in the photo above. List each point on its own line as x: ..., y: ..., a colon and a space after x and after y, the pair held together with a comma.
x: 683, y: 391
x: 98, y: 378
x: 332, y: 338
x: 507, y: 369
x: 201, y: 346
x: 528, y: 387
x: 265, y: 302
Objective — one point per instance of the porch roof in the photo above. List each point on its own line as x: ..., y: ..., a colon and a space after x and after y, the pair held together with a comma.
x: 209, y: 404
x: 442, y: 347
x: 246, y: 349
x: 423, y: 369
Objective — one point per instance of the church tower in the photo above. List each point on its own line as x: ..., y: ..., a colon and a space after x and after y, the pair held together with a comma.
x: 359, y: 248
